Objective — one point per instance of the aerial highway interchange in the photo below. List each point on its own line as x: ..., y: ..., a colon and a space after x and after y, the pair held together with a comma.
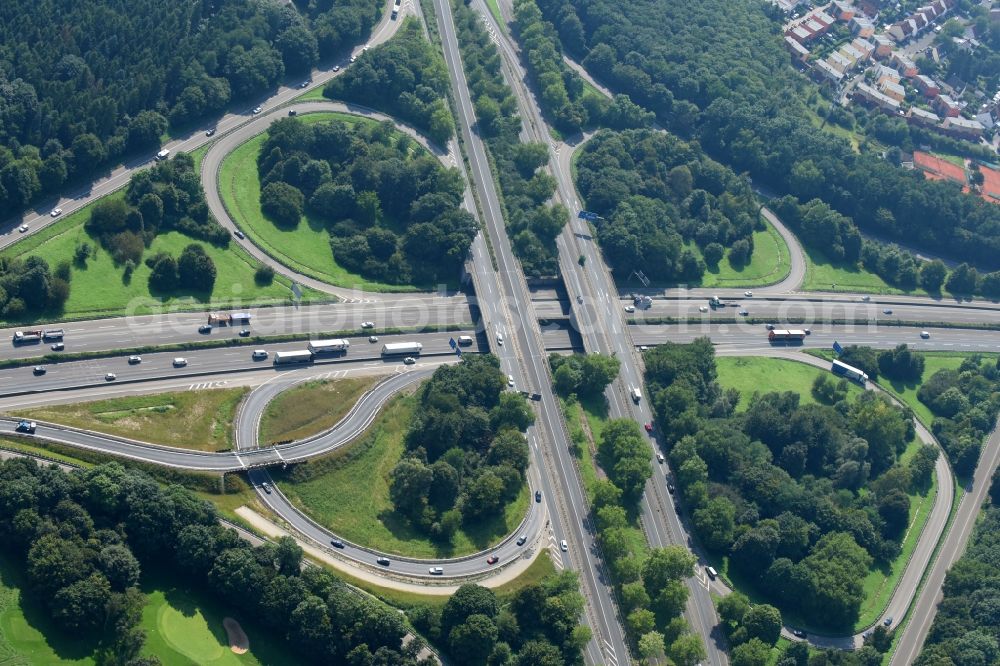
x: 518, y: 324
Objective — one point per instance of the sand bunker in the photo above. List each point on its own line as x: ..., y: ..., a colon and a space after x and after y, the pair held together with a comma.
x: 238, y: 641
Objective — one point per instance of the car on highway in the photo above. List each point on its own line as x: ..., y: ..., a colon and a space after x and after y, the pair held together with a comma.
x: 748, y: 294
x: 866, y: 298
x: 538, y: 495
x: 522, y: 539
x: 382, y: 561
x: 256, y: 110
x: 210, y: 132
x: 887, y: 311
x: 563, y: 546
x: 293, y: 112
x: 798, y: 633
x: 259, y: 354
x: 629, y: 308
x: 367, y: 324
x: 648, y: 426
x: 354, y: 58
x: 134, y: 360
x: 180, y: 362
x: 336, y: 543
x: 305, y: 84
x: 22, y: 228
x: 244, y: 332
x: 59, y: 346
x: 267, y: 487
x: 435, y: 571
x: 372, y: 338
x: 500, y: 338
x: 510, y: 380
x: 807, y: 331
x: 659, y: 457
x: 409, y: 360
x: 769, y: 327
x: 205, y: 328
x: 887, y: 621
x: 239, y: 234
x: 925, y: 334
x: 110, y: 377
x: 492, y: 559
x: 744, y: 313
x: 643, y: 348
x: 703, y: 308
x: 39, y: 370
x: 56, y: 212
x: 670, y: 489
x: 579, y: 299
x: 336, y: 68
x: 26, y: 426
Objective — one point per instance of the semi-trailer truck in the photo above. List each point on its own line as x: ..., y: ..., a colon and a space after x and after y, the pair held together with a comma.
x: 779, y: 335
x: 21, y: 337
x: 286, y: 357
x: 401, y: 348
x: 328, y: 346
x: 226, y: 318
x: 850, y: 372
x: 53, y: 334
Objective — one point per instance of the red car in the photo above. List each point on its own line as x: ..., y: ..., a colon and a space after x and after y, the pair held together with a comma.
x: 492, y: 559
x: 649, y: 427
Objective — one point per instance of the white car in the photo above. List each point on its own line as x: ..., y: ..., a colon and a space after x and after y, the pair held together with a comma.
x: 354, y: 58
x: 629, y: 308
x: 925, y: 334
x: 56, y: 212
x: 510, y: 380
x: 259, y: 354
x: 372, y: 338
x: 257, y: 110
x: 748, y: 294
x: 435, y: 571
x: 134, y: 360
x: 703, y: 308
x: 180, y: 362
x: 500, y: 338
x: 643, y: 348
x: 367, y: 324
x: 409, y: 360
x: 23, y: 228
x: 336, y: 68
x: 110, y: 377
x: 563, y: 546
x: 659, y: 457
x: 866, y: 298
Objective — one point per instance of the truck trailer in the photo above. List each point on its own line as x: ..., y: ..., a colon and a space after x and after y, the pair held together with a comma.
x: 21, y: 337
x: 286, y: 357
x: 780, y: 335
x: 227, y: 318
x: 850, y: 372
x: 401, y: 348
x: 328, y: 346
x: 53, y: 334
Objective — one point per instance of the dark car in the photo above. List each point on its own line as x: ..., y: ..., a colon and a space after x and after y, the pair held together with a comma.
x: 521, y: 539
x: 798, y: 633
x: 244, y: 332
x: 492, y: 559
x: 670, y: 488
x: 887, y: 621
x: 648, y: 426
x: 210, y: 132
x: 336, y: 543
x: 266, y: 487
x: 293, y: 112
x: 39, y: 370
x: 383, y: 561
x: 538, y: 495
x: 205, y: 328
x: 239, y: 234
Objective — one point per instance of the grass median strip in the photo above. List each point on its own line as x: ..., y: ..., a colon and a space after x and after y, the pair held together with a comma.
x: 312, y: 407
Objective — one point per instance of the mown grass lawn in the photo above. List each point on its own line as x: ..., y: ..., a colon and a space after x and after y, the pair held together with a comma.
x: 99, y: 287
x: 822, y: 274
x: 907, y: 392
x: 199, y: 420
x: 770, y: 263
x: 306, y: 248
x: 311, y: 407
x: 750, y: 374
x: 351, y: 497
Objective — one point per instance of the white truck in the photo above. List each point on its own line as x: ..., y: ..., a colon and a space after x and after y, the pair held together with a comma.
x: 636, y: 394
x: 52, y: 334
x: 163, y: 154
x: 401, y: 348
x: 328, y: 346
x: 287, y: 357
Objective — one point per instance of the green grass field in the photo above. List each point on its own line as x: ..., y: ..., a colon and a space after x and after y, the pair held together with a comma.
x: 207, y: 417
x: 495, y: 11
x: 305, y: 248
x: 769, y: 263
x: 907, y: 392
x: 100, y: 289
x: 825, y: 275
x: 749, y: 374
x: 352, y: 496
x: 311, y: 408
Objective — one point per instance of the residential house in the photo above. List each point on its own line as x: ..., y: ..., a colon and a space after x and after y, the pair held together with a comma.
x: 799, y: 52
x: 823, y: 18
x: 906, y: 67
x: 883, y: 46
x: 873, y: 97
x: 843, y: 10
x: 918, y: 116
x: 864, y: 47
x: 883, y: 73
x: 946, y: 106
x: 827, y: 72
x: 799, y: 34
x: 962, y: 128
x: 893, y: 90
x: 861, y: 26
x: 928, y: 86
x: 839, y: 62
x: 902, y: 30
x: 851, y: 53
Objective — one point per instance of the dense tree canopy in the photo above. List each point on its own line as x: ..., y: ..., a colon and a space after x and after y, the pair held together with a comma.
x: 803, y: 498
x: 82, y: 83
x: 656, y: 194
x: 392, y: 209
